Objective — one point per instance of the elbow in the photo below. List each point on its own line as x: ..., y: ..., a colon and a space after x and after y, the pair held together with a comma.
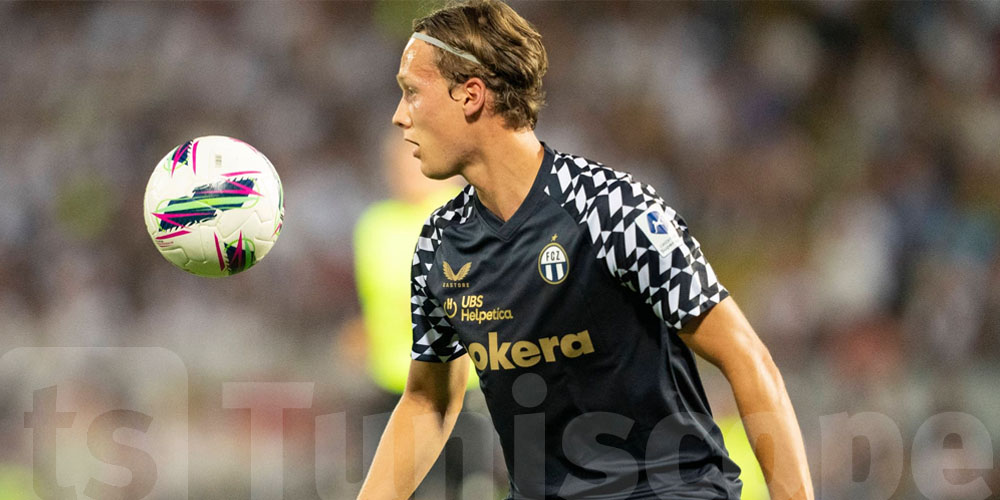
x: 450, y: 407
x: 751, y: 360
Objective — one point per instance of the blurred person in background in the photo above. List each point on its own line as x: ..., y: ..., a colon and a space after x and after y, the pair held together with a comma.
x: 635, y: 286
x: 384, y: 239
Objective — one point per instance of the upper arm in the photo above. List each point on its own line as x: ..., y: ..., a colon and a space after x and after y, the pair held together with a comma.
x: 647, y: 247
x: 724, y: 337
x: 435, y: 339
x: 440, y: 384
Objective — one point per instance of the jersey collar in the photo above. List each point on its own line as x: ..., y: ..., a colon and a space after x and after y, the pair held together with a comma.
x: 537, y: 192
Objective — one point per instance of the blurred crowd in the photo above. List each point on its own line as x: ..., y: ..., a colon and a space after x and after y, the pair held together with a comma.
x: 839, y: 162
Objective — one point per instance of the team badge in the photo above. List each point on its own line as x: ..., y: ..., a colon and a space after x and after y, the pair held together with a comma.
x: 553, y: 264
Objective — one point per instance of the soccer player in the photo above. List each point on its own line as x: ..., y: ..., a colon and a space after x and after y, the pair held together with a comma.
x: 577, y: 293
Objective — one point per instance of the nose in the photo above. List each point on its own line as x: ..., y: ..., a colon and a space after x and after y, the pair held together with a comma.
x: 401, y: 118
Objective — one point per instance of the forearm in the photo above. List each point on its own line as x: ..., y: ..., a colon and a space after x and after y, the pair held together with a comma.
x: 412, y: 441
x: 773, y: 429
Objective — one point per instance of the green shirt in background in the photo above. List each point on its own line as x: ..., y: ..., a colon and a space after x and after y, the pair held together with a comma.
x: 740, y: 451
x: 15, y: 482
x: 384, y: 239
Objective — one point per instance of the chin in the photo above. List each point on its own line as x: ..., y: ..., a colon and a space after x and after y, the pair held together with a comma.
x: 436, y: 173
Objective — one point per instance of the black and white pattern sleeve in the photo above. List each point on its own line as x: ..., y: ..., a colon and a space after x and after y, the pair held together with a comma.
x: 434, y: 338
x: 644, y: 243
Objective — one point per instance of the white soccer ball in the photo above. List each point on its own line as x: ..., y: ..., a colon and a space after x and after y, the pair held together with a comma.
x: 214, y: 206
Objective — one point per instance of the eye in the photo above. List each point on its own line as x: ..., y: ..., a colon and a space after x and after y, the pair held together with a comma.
x: 409, y: 93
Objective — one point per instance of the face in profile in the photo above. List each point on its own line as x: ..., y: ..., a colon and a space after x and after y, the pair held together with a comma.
x: 431, y: 120
x: 402, y: 172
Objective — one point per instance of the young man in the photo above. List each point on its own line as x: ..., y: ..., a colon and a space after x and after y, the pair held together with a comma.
x: 576, y: 291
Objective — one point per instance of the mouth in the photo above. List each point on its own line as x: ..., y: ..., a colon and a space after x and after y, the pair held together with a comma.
x: 416, y: 148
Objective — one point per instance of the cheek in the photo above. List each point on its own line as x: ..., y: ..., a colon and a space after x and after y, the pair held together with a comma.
x: 428, y: 120
x: 419, y: 113
x: 417, y: 103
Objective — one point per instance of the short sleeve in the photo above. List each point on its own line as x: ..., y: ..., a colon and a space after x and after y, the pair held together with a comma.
x: 648, y: 248
x: 434, y: 338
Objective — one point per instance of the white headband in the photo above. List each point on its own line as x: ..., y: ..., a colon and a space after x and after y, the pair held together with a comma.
x: 444, y: 46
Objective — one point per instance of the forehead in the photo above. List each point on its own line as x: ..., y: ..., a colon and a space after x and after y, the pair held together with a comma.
x: 417, y: 62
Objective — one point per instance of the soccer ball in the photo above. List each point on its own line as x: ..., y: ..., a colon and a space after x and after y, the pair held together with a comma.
x: 214, y: 206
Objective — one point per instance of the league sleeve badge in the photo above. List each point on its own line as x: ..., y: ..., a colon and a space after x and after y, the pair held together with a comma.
x: 660, y: 230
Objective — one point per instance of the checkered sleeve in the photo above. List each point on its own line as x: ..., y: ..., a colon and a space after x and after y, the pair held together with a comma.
x: 644, y: 243
x: 648, y: 247
x: 434, y: 338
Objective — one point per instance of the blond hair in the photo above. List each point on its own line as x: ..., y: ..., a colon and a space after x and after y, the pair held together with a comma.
x: 512, y: 58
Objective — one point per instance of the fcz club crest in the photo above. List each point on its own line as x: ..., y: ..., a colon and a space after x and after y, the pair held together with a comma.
x: 553, y: 264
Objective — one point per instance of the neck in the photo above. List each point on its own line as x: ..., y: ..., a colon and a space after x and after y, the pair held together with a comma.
x: 504, y: 171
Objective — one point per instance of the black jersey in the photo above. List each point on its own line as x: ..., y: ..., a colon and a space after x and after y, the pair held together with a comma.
x: 570, y: 312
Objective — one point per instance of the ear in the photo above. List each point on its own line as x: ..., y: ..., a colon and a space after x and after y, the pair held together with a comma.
x: 474, y: 98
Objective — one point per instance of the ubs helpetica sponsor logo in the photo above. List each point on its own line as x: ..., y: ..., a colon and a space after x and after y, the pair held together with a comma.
x: 473, y: 310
